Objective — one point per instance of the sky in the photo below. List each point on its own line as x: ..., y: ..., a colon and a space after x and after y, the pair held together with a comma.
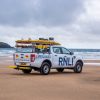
x: 73, y: 23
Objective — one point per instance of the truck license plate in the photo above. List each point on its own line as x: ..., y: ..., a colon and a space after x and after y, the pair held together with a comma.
x: 23, y: 64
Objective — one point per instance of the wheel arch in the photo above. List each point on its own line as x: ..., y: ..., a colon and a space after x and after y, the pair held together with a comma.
x: 80, y: 61
x: 48, y: 61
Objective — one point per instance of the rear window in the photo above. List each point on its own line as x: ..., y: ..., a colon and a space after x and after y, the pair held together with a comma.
x: 24, y: 50
x: 32, y: 50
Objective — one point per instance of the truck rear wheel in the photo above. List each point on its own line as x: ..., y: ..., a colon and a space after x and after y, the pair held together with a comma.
x: 26, y: 71
x: 45, y: 68
x: 60, y: 69
x: 78, y: 67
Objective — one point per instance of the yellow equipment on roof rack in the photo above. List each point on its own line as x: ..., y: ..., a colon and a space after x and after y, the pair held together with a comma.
x: 41, y: 43
x: 45, y: 42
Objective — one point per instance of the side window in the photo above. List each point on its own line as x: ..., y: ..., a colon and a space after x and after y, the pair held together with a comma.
x: 65, y: 51
x: 46, y: 50
x: 57, y: 50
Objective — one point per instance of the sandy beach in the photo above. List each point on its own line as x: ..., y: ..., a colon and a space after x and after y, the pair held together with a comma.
x: 14, y: 85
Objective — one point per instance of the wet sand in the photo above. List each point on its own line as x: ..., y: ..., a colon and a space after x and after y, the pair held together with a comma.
x: 14, y: 85
x: 92, y: 61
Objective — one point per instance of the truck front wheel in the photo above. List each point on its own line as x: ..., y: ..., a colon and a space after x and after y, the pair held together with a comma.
x: 60, y: 69
x: 78, y: 67
x: 45, y: 68
x: 26, y: 71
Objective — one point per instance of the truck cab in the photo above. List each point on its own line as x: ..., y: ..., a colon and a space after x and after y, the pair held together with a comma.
x: 44, y: 56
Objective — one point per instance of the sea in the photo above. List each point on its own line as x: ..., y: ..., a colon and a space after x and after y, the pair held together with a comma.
x: 86, y: 54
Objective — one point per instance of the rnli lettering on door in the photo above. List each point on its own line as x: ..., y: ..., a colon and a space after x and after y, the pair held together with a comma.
x: 65, y: 61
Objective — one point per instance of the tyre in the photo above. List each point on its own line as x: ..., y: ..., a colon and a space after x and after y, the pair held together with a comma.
x: 26, y: 71
x: 78, y: 67
x: 45, y: 68
x: 60, y: 69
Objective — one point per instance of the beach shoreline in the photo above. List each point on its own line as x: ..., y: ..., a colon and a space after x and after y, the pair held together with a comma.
x: 15, y: 85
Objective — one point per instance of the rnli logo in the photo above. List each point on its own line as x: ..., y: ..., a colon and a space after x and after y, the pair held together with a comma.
x: 65, y: 61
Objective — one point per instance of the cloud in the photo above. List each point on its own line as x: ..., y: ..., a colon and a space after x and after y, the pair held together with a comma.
x: 73, y: 23
x: 90, y: 20
x: 39, y: 12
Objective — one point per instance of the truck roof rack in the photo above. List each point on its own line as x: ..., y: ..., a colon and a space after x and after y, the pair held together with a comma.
x: 41, y: 41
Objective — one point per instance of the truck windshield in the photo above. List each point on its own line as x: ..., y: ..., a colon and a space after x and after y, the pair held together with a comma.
x: 24, y: 50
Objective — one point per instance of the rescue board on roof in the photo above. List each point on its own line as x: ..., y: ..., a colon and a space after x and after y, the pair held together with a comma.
x: 40, y: 41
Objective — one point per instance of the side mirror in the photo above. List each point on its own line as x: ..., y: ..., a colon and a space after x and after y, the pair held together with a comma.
x: 71, y: 53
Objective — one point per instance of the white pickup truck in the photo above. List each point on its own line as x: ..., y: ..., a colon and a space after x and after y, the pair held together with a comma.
x: 53, y: 57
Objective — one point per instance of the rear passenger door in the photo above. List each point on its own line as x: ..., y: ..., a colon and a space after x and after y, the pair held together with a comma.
x: 57, y: 54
